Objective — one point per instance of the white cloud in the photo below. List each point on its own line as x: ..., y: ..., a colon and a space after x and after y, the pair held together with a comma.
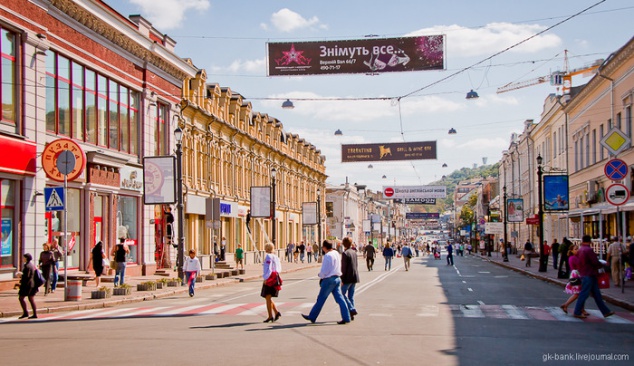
x: 286, y: 20
x: 494, y: 37
x: 481, y: 144
x: 169, y: 14
x: 251, y: 66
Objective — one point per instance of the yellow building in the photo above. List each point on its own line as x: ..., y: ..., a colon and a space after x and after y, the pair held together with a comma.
x: 227, y: 149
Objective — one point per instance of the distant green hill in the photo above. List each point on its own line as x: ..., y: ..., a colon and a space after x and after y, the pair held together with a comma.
x: 451, y: 180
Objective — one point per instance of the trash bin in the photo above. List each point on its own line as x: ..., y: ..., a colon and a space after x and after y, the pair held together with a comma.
x: 73, y: 292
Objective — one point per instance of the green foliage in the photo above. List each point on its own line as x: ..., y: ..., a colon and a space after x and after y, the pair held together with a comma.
x: 452, y: 180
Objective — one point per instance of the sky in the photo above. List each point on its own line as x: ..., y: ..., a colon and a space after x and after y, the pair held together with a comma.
x: 488, y: 44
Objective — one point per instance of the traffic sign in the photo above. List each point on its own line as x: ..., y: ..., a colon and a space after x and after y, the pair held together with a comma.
x: 615, y: 169
x: 615, y: 141
x: 617, y: 194
x: 54, y: 198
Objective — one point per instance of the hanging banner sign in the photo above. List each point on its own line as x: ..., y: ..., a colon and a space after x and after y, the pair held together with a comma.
x: 422, y: 215
x: 414, y: 192
x: 416, y: 201
x: 356, y: 56
x: 384, y: 152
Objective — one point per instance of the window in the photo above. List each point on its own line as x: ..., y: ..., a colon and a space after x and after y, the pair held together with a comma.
x: 555, y: 143
x: 127, y: 224
x: 594, y: 146
x: 161, y: 130
x: 87, y: 106
x: 628, y: 122
x: 587, y: 147
x: 602, y: 149
x: 9, y: 88
x: 7, y: 217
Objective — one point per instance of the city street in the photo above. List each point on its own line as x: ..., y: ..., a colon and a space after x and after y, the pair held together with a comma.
x: 472, y: 313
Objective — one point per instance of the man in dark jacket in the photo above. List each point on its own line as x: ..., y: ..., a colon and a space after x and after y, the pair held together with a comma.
x: 369, y: 252
x: 349, y: 275
x: 564, y: 266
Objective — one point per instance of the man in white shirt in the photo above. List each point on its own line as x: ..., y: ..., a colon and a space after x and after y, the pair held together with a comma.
x: 330, y: 283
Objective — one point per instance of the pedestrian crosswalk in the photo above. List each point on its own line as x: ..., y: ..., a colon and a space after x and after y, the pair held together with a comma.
x: 475, y: 311
x: 534, y: 313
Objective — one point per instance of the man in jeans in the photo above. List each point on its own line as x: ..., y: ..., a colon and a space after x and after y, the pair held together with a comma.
x: 588, y: 269
x: 329, y: 283
x: 349, y: 275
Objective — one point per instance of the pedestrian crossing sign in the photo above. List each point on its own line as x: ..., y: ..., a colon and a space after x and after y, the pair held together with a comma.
x: 54, y: 198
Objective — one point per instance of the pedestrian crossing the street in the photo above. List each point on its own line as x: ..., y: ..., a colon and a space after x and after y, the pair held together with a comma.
x: 481, y: 311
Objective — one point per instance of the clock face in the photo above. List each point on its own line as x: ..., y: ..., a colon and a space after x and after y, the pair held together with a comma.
x: 153, y: 178
x: 51, y: 153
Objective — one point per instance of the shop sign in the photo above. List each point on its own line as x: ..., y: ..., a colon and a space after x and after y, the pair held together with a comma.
x: 131, y: 178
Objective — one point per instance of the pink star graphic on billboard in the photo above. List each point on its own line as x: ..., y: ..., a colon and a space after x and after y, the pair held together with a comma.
x: 292, y: 55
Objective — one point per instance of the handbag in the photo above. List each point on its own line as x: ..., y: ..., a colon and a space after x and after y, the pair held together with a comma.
x: 105, y: 263
x: 113, y: 264
x: 604, y: 280
x: 274, y: 280
x: 575, y: 281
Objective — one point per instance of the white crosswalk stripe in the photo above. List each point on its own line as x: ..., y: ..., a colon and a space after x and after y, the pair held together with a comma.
x: 474, y: 311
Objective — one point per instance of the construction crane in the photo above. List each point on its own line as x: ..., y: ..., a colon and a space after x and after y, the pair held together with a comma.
x: 561, y: 79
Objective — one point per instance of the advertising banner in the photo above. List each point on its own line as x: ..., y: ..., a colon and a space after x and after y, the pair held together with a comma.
x: 422, y: 215
x: 159, y: 183
x: 416, y: 201
x: 390, y: 192
x: 556, y: 196
x: 261, y: 201
x: 515, y: 210
x: 309, y: 213
x: 356, y: 56
x: 390, y: 151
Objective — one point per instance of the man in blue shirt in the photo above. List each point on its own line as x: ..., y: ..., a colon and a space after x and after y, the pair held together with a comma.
x: 330, y: 283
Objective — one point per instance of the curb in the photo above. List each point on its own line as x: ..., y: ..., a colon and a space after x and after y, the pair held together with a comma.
x: 148, y: 296
x: 609, y: 298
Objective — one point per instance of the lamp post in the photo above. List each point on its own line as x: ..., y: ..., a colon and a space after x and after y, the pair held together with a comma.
x: 319, y: 223
x: 543, y: 260
x: 274, y: 224
x: 178, y: 135
x: 506, y: 249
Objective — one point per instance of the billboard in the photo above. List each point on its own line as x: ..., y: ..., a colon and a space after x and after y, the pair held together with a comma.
x: 390, y: 192
x: 422, y: 215
x: 389, y: 151
x: 261, y: 202
x: 159, y: 180
x: 416, y: 201
x: 556, y: 196
x: 515, y: 210
x: 356, y: 56
x: 309, y: 213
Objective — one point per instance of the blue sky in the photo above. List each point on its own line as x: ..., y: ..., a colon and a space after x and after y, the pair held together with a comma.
x: 228, y: 39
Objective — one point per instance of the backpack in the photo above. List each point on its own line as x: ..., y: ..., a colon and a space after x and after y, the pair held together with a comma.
x: 38, y: 279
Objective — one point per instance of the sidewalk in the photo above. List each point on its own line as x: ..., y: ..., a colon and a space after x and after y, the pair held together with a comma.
x: 613, y: 295
x: 54, y: 302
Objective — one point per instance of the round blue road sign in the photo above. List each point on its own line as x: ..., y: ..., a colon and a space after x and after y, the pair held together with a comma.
x: 615, y: 169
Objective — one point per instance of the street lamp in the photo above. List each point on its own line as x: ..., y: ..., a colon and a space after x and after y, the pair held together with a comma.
x: 506, y: 249
x: 273, y: 173
x: 178, y: 135
x: 319, y: 222
x: 543, y: 260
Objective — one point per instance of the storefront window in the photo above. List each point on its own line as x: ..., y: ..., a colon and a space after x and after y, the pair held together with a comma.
x: 127, y: 225
x: 73, y: 240
x: 7, y: 194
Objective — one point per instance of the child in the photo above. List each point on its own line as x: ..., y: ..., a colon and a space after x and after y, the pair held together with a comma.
x: 239, y: 256
x: 192, y: 270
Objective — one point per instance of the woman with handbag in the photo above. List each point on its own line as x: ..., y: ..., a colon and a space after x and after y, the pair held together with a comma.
x: 272, y: 282
x: 27, y: 287
x: 573, y: 287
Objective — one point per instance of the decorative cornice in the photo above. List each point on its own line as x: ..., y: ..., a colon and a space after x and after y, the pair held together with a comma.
x: 98, y: 26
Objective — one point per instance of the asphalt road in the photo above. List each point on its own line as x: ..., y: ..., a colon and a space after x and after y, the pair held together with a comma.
x: 473, y: 313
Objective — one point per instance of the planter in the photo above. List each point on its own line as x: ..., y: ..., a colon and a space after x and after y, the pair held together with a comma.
x: 210, y: 277
x: 122, y: 291
x: 200, y: 279
x: 99, y: 294
x: 242, y: 271
x: 159, y: 285
x: 148, y: 286
x: 174, y: 284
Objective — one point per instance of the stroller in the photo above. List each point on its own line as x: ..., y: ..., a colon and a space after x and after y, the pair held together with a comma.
x: 436, y: 255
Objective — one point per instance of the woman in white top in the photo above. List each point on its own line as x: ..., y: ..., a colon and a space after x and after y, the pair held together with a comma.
x: 192, y: 270
x: 271, y: 271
